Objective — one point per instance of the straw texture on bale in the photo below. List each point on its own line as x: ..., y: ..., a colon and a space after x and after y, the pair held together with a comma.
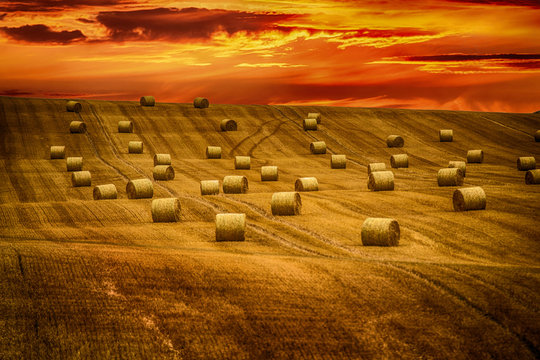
x: 74, y: 163
x: 58, y: 152
x: 228, y: 125
x: 269, y: 173
x: 376, y: 167
x: 525, y: 163
x: 230, y: 227
x: 472, y: 198
x: 213, y: 152
x: 399, y: 161
x: 338, y: 161
x: 73, y: 106
x: 135, y: 147
x: 162, y: 159
x: 103, y: 192
x: 125, y: 126
x: 286, y: 203
x: 381, y: 181
x: 77, y: 127
x: 475, y: 156
x: 446, y: 135
x: 166, y: 210
x: 235, y: 184
x: 209, y: 187
x: 316, y: 116
x: 201, y: 103
x: 318, y: 147
x: 306, y: 184
x: 81, y: 178
x: 310, y: 124
x: 537, y: 136
x: 532, y: 177
x: 450, y: 177
x: 461, y: 165
x: 147, y: 101
x: 139, y: 189
x: 380, y: 232
x: 163, y: 172
x: 395, y: 141
x: 242, y: 162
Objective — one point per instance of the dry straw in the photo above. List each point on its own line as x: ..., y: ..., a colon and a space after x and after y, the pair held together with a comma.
x: 81, y: 178
x: 310, y: 124
x: 74, y: 163
x: 230, y: 227
x: 373, y: 167
x: 395, y: 141
x: 316, y: 116
x: 537, y: 136
x: 140, y: 189
x: 235, y: 184
x: 269, y: 173
x: 209, y: 187
x: 461, y: 165
x: 125, y: 126
x: 450, y: 177
x: 286, y: 203
x: 135, y: 147
x: 166, y: 210
x: 77, y: 127
x: 73, y: 106
x: 525, y: 163
x: 306, y: 184
x: 213, y: 152
x: 472, y: 198
x: 58, y: 152
x: 399, y: 161
x: 228, y: 125
x: 163, y: 172
x: 446, y: 135
x: 201, y: 103
x: 318, y: 147
x: 381, y: 181
x: 147, y: 101
x: 475, y: 156
x: 338, y: 162
x: 102, y: 192
x: 242, y: 162
x: 532, y: 177
x: 162, y: 159
x: 380, y: 232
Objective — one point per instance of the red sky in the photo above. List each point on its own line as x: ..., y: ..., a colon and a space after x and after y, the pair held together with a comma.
x: 427, y: 54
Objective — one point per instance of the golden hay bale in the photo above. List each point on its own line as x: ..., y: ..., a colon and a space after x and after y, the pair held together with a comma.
x: 306, y: 184
x: 380, y: 232
x: 269, y: 173
x: 163, y: 172
x: 235, y: 184
x: 73, y: 106
x: 81, y: 178
x: 242, y: 162
x: 395, y: 141
x: 135, y: 147
x: 376, y: 167
x: 125, y: 126
x: 228, y: 125
x: 230, y: 227
x: 77, y: 127
x: 381, y: 181
x: 286, y: 203
x: 58, y: 152
x: 74, y: 163
x: 318, y: 147
x: 166, y: 210
x: 472, y: 198
x: 461, y: 165
x: 525, y: 163
x: 450, y: 177
x: 147, y: 101
x: 310, y: 124
x: 162, y: 159
x: 399, y: 161
x: 140, y: 189
x: 209, y: 187
x: 446, y: 135
x: 338, y: 162
x: 213, y: 152
x: 201, y: 103
x: 102, y: 192
x: 316, y: 116
x: 475, y: 156
x: 532, y: 177
x: 537, y: 136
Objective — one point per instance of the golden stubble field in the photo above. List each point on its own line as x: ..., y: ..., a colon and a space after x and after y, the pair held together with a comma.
x: 85, y: 279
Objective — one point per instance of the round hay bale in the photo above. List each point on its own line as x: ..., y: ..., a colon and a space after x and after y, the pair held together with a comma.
x: 446, y: 135
x: 461, y: 165
x: 235, y: 184
x: 162, y: 159
x: 532, y: 177
x: 316, y: 116
x: 166, y: 210
x: 135, y: 147
x: 475, y: 156
x: 269, y: 173
x: 140, y: 189
x: 306, y: 184
x: 380, y: 232
x: 472, y: 198
x: 450, y: 177
x: 318, y: 147
x: 228, y: 125
x: 376, y: 167
x: 81, y: 178
x: 525, y: 163
x: 58, y: 152
x: 102, y: 192
x: 213, y: 152
x: 125, y: 126
x: 201, y: 103
x: 381, y: 181
x: 73, y: 106
x: 77, y: 127
x: 163, y: 172
x: 537, y: 136
x: 310, y: 124
x: 399, y: 161
x: 395, y: 141
x: 147, y: 101
x: 242, y: 162
x: 74, y: 163
x: 230, y: 227
x: 209, y: 187
x: 286, y: 203
x: 338, y: 161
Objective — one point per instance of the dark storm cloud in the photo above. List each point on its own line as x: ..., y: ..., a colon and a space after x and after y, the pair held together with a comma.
x: 42, y: 34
